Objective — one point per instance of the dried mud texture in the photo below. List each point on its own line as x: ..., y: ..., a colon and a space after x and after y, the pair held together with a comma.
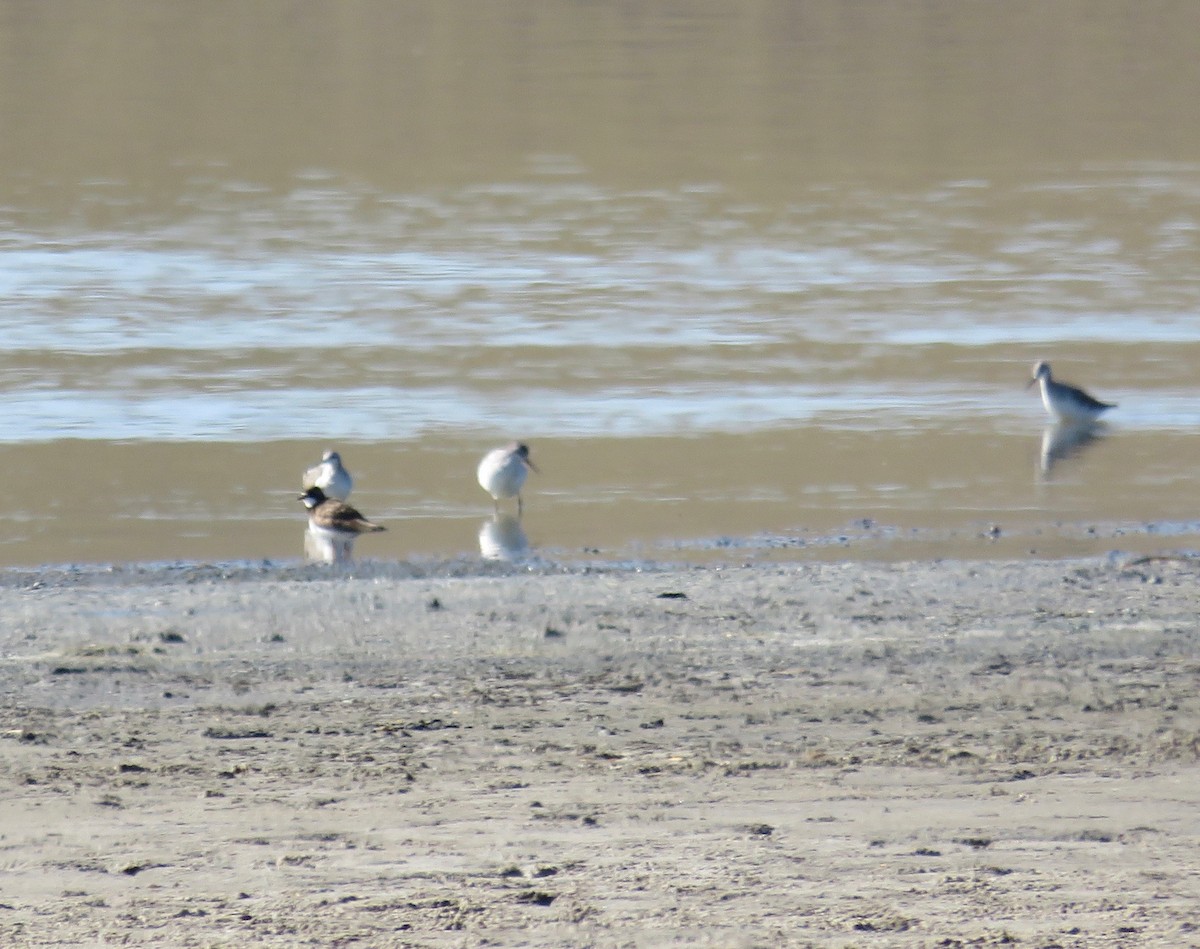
x: 936, y: 754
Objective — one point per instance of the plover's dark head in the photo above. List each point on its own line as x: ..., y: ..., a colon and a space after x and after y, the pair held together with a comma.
x: 312, y: 497
x: 332, y: 456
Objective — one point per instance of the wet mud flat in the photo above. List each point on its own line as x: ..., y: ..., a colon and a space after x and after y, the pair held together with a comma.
x: 903, y: 754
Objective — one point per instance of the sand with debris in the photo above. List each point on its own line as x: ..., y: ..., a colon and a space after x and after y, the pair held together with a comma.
x: 929, y: 754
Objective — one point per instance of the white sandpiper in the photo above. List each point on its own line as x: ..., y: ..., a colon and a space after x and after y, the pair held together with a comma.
x: 1065, y: 402
x: 334, y: 525
x: 330, y: 476
x: 502, y: 472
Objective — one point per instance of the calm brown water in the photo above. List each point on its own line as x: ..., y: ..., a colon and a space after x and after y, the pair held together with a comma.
x: 754, y: 280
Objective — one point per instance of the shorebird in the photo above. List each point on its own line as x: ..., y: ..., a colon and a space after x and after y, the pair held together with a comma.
x: 1065, y: 402
x: 334, y: 525
x: 333, y: 479
x: 502, y: 472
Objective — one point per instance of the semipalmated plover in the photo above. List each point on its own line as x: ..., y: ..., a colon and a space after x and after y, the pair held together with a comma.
x: 502, y: 472
x: 334, y: 525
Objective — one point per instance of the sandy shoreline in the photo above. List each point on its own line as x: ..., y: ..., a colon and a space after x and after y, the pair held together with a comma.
x: 928, y: 754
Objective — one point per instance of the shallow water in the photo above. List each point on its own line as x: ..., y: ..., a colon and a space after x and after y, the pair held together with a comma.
x: 753, y: 282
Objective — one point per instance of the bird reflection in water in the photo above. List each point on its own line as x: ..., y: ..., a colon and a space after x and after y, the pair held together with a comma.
x: 1065, y: 440
x: 503, y: 538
